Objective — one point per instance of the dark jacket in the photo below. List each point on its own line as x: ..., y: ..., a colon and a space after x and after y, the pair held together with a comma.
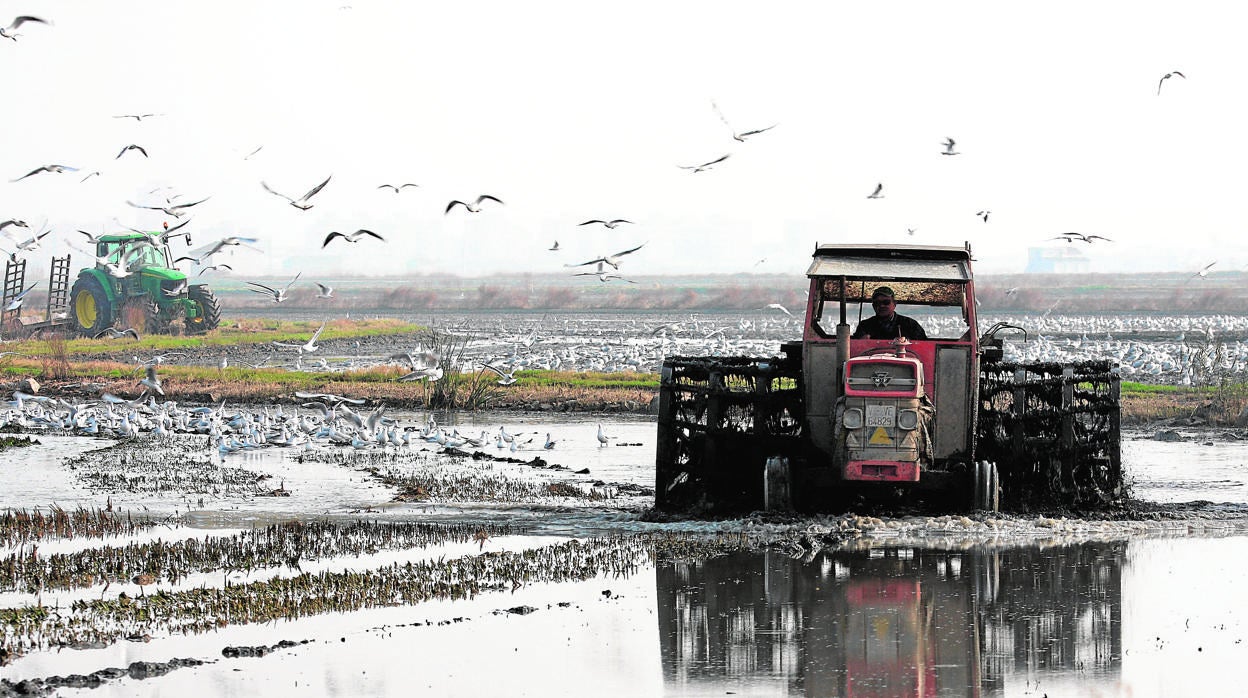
x: 876, y: 327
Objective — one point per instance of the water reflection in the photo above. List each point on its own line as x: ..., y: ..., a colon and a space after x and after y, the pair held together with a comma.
x: 891, y: 622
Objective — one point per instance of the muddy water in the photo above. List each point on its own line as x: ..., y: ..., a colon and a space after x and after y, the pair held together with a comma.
x: 932, y: 607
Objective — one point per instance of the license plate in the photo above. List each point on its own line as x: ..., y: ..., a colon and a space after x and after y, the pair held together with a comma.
x: 881, y: 415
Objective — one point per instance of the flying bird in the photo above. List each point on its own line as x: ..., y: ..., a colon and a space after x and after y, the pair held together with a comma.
x: 613, y: 260
x: 17, y: 300
x: 151, y: 380
x: 307, y: 347
x: 131, y: 147
x: 89, y: 176
x: 1204, y: 272
x: 474, y: 207
x: 396, y: 187
x: 911, y: 231
x: 279, y: 294
x: 212, y: 248
x: 605, y: 276
x: 248, y: 155
x: 1166, y: 77
x: 878, y: 193
x: 302, y: 202
x: 47, y: 168
x: 13, y: 222
x: 1080, y: 237
x: 351, y: 237
x: 705, y: 165
x: 506, y: 378
x: 781, y: 308
x: 612, y: 224
x: 949, y: 143
x: 554, y: 247
x: 136, y: 117
x: 326, y: 291
x: 177, y: 211
x: 739, y: 135
x: 214, y: 267
x: 983, y: 214
x: 7, y: 32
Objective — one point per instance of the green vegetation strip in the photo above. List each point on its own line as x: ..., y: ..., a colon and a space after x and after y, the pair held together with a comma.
x: 18, y: 526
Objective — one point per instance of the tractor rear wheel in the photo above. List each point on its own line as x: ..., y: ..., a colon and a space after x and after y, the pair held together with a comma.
x: 209, y: 310
x: 90, y: 310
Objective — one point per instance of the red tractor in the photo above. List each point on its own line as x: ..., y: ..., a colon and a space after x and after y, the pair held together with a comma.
x: 940, y: 420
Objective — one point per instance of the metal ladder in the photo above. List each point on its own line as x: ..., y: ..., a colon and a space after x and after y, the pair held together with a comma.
x: 14, y: 283
x: 58, y: 289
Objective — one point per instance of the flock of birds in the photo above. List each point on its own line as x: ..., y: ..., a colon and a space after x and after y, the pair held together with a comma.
x: 323, y: 420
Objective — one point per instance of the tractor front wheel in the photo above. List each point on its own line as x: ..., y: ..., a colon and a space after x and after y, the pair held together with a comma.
x: 90, y: 310
x: 209, y: 315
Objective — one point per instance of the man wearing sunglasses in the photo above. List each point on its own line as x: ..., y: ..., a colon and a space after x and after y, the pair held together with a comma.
x: 886, y: 323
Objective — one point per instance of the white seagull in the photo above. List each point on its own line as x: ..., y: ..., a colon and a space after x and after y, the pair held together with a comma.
x: 17, y: 300
x: 350, y: 237
x: 949, y: 143
x: 504, y: 378
x: 781, y: 308
x: 475, y: 206
x: 7, y: 32
x: 279, y: 294
x: 151, y: 380
x: 983, y: 214
x: 706, y: 165
x: 326, y: 291
x: 396, y: 187
x: 47, y: 168
x: 302, y: 202
x: 136, y: 117
x: 131, y: 147
x: 177, y: 211
x: 1163, y: 79
x: 114, y: 333
x: 602, y: 437
x: 878, y: 193
x: 612, y: 224
x: 613, y: 260
x: 307, y: 347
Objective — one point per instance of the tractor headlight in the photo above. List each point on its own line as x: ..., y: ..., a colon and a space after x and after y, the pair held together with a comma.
x: 852, y: 419
x: 908, y: 419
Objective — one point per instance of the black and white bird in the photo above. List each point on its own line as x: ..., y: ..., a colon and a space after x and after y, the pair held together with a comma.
x: 878, y: 193
x: 47, y: 168
x: 13, y: 222
x: 611, y: 224
x: 397, y: 187
x: 739, y: 135
x: 89, y: 176
x: 351, y: 237
x: 949, y: 143
x: 504, y: 377
x: 475, y: 206
x: 136, y: 117
x: 215, y: 267
x: 279, y: 294
x: 130, y: 147
x: 7, y: 32
x: 17, y: 300
x: 302, y: 202
x: 1166, y: 77
x: 175, y: 210
x: 151, y: 381
x: 613, y: 260
x: 30, y: 244
x: 781, y: 308
x: 325, y: 291
x: 605, y: 276
x: 983, y: 214
x: 554, y: 247
x: 1204, y: 272
x: 114, y: 333
x: 307, y: 347
x: 706, y: 165
x: 212, y: 248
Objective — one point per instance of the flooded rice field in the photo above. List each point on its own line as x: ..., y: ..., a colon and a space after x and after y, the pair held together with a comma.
x: 461, y: 556
x: 400, y: 570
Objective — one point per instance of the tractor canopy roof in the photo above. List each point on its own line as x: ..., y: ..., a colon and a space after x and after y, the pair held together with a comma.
x: 127, y: 236
x: 918, y: 274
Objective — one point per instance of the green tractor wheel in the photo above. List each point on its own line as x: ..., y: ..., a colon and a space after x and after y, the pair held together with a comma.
x: 209, y: 310
x: 89, y: 307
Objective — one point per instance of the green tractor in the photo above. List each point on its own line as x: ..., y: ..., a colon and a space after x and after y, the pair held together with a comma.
x: 134, y: 282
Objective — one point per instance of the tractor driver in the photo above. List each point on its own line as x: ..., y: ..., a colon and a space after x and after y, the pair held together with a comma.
x: 886, y: 323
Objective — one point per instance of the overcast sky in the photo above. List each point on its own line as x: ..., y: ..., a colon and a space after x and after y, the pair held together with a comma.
x: 573, y: 111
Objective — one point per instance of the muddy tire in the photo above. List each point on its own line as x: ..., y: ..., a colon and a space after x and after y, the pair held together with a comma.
x: 90, y: 310
x: 209, y: 310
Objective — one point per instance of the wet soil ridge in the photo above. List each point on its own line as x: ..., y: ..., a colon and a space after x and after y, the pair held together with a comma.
x: 89, y: 622
x: 180, y: 463
x: 286, y: 544
x: 136, y: 670
x: 19, y: 526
